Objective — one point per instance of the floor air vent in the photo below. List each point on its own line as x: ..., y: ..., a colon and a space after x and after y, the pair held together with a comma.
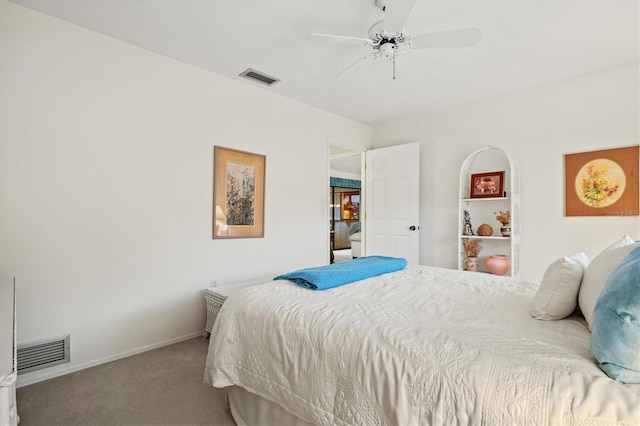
x: 259, y: 76
x: 43, y: 354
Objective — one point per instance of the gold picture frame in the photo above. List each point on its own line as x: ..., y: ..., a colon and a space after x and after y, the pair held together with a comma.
x: 238, y: 193
x: 602, y: 183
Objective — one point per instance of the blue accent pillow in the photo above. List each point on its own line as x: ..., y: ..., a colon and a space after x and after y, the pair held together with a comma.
x: 615, y: 340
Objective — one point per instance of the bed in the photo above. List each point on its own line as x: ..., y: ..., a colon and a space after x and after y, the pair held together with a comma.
x: 423, y: 345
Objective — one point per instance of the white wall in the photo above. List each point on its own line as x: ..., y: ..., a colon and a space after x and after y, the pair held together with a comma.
x: 106, y: 186
x: 537, y: 127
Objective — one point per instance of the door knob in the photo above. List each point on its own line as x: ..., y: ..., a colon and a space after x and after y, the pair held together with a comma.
x: 413, y: 228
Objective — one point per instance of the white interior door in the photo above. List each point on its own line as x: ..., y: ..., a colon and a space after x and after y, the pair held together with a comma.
x: 392, y: 202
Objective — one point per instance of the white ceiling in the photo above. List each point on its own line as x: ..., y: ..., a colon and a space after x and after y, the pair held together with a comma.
x: 350, y: 164
x: 525, y: 43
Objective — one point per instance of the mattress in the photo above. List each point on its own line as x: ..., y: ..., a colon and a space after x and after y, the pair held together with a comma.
x: 423, y: 345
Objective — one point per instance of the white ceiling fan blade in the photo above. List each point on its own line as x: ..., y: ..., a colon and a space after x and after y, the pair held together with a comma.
x: 396, y: 14
x: 415, y: 61
x: 369, y: 55
x: 465, y: 37
x: 340, y: 39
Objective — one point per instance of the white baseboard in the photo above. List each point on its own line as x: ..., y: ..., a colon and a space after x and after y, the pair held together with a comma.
x: 39, y: 376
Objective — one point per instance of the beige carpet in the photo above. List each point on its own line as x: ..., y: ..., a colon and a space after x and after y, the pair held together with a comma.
x: 159, y: 387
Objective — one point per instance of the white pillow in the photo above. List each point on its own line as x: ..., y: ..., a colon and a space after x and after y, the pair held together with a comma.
x: 624, y: 241
x: 595, y: 277
x: 557, y: 296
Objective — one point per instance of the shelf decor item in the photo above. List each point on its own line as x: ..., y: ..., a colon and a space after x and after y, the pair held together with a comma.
x: 472, y: 247
x: 485, y: 230
x: 467, y: 229
x: 505, y: 220
x: 471, y: 263
x: 238, y: 194
x: 498, y: 264
x: 485, y: 185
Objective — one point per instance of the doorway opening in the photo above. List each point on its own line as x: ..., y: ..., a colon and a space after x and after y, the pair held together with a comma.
x: 345, y: 203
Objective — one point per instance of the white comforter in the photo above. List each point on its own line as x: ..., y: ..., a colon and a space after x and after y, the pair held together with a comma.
x: 419, y: 346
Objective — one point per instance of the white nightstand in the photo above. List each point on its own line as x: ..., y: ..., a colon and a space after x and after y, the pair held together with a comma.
x: 215, y: 297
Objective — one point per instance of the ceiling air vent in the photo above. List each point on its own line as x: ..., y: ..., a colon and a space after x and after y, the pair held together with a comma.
x: 259, y: 76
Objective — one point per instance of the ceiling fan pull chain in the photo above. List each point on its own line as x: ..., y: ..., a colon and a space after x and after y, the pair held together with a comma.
x: 394, y: 63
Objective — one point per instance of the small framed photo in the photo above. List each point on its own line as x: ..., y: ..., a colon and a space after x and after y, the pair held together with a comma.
x: 238, y: 194
x: 485, y: 185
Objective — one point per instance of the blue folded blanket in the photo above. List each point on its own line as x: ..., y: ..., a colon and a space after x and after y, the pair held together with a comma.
x: 337, y: 274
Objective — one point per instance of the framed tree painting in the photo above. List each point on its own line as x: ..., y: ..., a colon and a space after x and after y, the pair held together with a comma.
x: 238, y: 193
x: 602, y: 183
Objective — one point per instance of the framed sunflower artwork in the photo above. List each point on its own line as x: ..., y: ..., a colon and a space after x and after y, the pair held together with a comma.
x: 602, y: 183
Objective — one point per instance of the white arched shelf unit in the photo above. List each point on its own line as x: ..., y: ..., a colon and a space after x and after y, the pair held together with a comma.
x: 482, y: 210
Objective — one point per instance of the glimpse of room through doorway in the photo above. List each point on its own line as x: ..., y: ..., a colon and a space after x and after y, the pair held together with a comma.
x: 345, y: 203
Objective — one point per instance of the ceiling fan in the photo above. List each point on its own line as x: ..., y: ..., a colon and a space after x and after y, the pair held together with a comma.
x: 388, y: 38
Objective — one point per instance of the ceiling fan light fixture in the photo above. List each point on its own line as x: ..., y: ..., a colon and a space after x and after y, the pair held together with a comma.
x: 387, y: 50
